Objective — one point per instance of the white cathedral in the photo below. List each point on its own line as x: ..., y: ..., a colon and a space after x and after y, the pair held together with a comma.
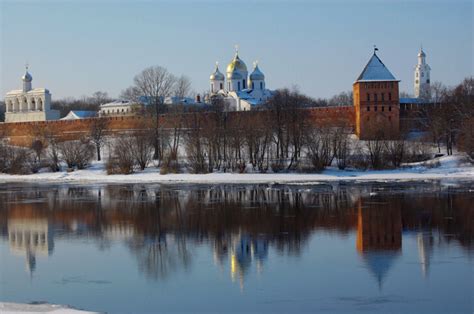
x: 239, y: 90
x: 29, y: 104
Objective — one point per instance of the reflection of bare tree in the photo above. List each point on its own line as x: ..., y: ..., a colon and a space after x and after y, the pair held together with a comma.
x: 159, y: 253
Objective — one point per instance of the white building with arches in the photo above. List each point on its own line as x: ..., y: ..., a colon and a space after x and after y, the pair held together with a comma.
x: 29, y: 104
x: 239, y: 90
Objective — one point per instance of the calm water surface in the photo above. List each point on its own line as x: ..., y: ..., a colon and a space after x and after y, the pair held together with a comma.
x: 239, y: 248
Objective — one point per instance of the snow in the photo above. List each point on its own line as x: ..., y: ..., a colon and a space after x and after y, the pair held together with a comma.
x: 78, y: 114
x: 448, y: 167
x: 375, y: 70
x: 18, y: 308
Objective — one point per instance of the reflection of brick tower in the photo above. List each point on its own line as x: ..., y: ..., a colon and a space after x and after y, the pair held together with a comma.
x: 379, y: 237
x: 376, y: 101
x: 379, y: 229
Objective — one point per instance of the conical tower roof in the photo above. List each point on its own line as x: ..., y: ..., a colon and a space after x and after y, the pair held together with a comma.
x: 375, y: 70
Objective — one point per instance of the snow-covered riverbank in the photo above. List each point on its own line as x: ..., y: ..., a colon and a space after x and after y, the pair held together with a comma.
x: 449, y: 167
x: 20, y: 308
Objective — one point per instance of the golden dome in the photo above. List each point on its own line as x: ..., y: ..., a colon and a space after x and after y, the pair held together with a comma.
x: 236, y: 64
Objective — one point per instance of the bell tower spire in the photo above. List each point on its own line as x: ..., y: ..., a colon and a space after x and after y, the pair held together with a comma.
x: 422, y: 77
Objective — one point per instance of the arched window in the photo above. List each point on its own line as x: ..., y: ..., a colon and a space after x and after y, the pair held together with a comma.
x: 16, y: 105
x: 243, y: 84
x: 238, y: 85
x: 261, y: 85
x: 222, y: 86
x: 253, y: 85
x: 33, y: 104
x: 40, y: 104
x: 212, y: 87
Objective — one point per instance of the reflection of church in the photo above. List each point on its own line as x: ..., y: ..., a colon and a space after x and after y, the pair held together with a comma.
x: 243, y: 249
x: 246, y: 249
x: 379, y: 237
x: 30, y: 237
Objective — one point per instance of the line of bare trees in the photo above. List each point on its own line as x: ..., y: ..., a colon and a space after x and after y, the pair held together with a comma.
x: 449, y: 120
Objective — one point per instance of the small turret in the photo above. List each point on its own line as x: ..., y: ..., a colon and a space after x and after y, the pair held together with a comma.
x: 27, y: 78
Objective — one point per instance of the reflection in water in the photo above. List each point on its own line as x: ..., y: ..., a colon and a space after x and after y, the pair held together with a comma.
x: 379, y: 235
x: 30, y: 237
x: 161, y: 225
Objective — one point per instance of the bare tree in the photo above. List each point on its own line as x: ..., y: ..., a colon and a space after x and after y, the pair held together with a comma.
x: 98, y: 98
x: 319, y: 145
x: 121, y: 160
x: 341, y: 99
x: 98, y: 130
x: 155, y: 83
x: 141, y: 146
x: 131, y: 93
x: 77, y: 153
x: 182, y: 87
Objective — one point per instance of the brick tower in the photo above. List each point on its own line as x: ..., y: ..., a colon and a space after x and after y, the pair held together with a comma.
x: 376, y: 102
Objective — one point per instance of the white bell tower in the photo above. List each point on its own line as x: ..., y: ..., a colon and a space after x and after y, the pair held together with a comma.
x: 422, y: 77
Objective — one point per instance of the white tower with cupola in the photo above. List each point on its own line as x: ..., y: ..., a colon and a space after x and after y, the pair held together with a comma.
x: 422, y: 77
x: 217, y: 80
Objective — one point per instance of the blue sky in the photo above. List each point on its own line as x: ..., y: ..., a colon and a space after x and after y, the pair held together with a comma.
x: 75, y: 48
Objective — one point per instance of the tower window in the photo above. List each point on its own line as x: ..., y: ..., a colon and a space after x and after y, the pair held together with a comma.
x: 244, y: 85
x: 261, y: 85
x: 416, y: 82
x: 222, y: 86
x: 212, y: 87
x: 389, y: 108
x: 238, y: 85
x: 228, y: 84
x: 428, y: 81
x: 383, y: 108
x: 368, y: 108
x: 253, y: 85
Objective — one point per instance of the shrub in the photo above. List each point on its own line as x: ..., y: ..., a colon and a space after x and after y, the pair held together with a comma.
x: 170, y: 163
x: 77, y: 153
x: 121, y: 160
x: 278, y: 165
x: 196, y: 158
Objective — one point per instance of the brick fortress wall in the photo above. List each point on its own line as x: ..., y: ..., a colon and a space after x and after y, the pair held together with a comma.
x: 23, y: 133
